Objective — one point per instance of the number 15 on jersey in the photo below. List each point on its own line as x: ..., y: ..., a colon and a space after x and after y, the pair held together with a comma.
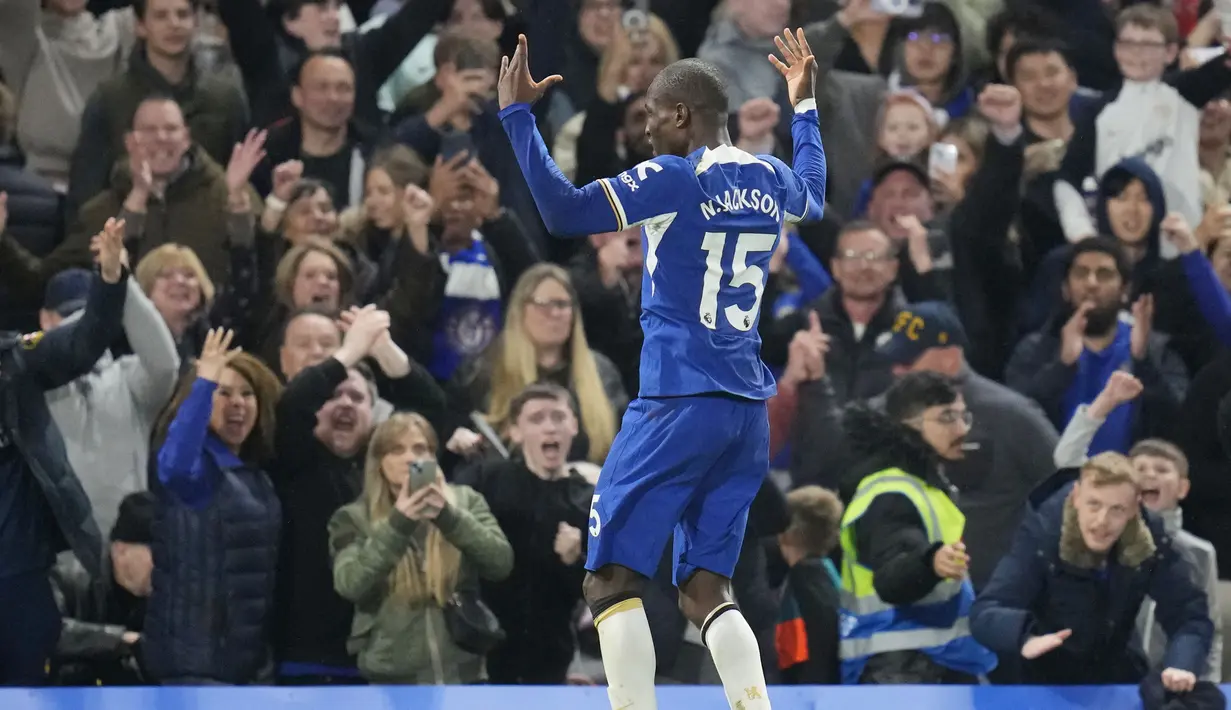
x: 741, y: 274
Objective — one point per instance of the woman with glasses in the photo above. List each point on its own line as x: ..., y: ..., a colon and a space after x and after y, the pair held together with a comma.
x: 542, y: 340
x: 902, y: 545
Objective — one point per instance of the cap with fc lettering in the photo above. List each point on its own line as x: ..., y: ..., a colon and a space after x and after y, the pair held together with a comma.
x: 920, y: 327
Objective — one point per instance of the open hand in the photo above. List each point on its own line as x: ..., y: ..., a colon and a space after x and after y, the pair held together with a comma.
x: 108, y: 249
x: 1073, y: 335
x: 516, y: 85
x: 1036, y: 646
x: 245, y: 157
x: 797, y: 65
x: 216, y: 354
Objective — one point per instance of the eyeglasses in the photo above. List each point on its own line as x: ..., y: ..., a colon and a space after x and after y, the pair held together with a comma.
x: 867, y: 257
x: 949, y: 417
x: 929, y: 37
x: 559, y: 305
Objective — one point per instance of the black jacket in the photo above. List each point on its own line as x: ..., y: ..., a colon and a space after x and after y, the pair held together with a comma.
x: 535, y: 603
x: 891, y: 538
x: 1051, y: 581
x: 31, y: 366
x: 36, y: 221
x: 97, y: 614
x: 268, y: 57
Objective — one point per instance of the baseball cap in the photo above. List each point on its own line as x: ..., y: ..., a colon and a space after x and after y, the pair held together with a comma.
x: 892, y: 166
x: 135, y: 522
x: 66, y: 291
x: 919, y: 327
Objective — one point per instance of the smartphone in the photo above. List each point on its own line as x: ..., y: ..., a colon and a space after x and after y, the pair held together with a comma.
x: 900, y: 8
x: 422, y: 474
x: 454, y: 143
x: 942, y: 158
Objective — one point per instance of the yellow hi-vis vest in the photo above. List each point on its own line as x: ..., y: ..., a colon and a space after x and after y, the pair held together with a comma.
x: 937, y: 624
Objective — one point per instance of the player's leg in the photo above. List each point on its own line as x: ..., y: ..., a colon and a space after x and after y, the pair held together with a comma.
x: 647, y: 482
x: 707, y: 545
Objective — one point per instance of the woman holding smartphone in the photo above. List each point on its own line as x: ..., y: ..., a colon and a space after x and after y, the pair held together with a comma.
x: 404, y: 551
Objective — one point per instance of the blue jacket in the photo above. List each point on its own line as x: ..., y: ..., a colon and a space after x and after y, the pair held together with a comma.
x: 32, y: 365
x: 1050, y: 581
x: 215, y: 554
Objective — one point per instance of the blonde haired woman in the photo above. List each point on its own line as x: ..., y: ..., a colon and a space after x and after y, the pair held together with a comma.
x: 401, y: 555
x: 173, y: 277
x: 543, y: 340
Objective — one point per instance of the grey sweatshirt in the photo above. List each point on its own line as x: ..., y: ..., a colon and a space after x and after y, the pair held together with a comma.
x: 53, y: 64
x: 1071, y: 453
x: 106, y: 417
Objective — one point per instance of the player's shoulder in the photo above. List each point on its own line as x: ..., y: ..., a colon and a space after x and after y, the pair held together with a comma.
x: 658, y: 164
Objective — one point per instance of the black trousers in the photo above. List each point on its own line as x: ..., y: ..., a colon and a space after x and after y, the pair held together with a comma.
x: 29, y: 628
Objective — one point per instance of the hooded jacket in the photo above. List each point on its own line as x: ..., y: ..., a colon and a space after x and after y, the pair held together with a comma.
x: 214, y: 109
x: 1051, y: 581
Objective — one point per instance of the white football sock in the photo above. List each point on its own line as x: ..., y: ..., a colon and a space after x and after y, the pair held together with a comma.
x: 628, y: 656
x: 737, y: 657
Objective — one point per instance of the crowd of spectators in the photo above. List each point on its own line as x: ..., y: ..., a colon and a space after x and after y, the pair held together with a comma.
x: 307, y: 394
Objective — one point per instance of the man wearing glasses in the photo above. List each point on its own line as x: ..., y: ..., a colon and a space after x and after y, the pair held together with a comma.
x: 1007, y: 443
x: 906, y: 592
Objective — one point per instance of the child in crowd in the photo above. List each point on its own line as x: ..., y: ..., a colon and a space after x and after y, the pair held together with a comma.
x: 807, y: 633
x: 1162, y: 474
x: 1155, y: 117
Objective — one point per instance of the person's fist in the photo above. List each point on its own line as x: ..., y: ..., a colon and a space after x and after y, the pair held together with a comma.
x: 1122, y: 387
x: 757, y: 118
x: 1177, y: 231
x: 1001, y: 105
x: 1036, y: 646
x: 464, y: 442
x: 1178, y: 681
x: 951, y: 561
x: 567, y: 545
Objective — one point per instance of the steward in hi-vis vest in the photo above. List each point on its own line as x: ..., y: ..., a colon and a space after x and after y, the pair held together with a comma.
x: 906, y: 594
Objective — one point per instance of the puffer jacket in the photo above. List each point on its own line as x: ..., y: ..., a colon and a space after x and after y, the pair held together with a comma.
x: 1051, y: 581
x: 397, y: 642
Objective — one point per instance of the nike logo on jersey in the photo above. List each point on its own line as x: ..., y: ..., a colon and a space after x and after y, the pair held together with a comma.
x: 740, y: 200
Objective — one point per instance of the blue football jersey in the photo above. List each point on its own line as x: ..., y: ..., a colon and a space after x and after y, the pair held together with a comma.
x: 711, y: 223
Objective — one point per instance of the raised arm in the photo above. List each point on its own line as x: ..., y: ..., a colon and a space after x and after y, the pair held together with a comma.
x: 805, y: 185
x: 180, y: 460
x: 66, y: 353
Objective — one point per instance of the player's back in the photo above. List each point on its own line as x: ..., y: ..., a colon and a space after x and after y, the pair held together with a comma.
x: 711, y: 227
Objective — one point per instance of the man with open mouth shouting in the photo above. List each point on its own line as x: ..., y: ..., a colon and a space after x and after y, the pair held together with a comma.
x: 542, y: 505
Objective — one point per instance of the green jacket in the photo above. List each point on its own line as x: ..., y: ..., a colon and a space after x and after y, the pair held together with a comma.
x: 397, y: 643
